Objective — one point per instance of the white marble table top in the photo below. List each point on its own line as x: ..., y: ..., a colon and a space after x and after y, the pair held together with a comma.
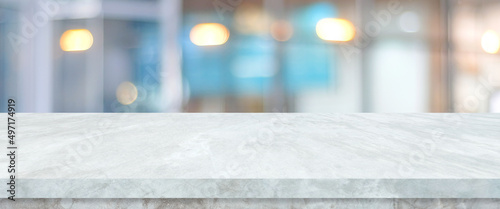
x: 257, y: 155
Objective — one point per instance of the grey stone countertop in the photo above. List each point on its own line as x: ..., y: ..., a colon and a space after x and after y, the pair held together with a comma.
x: 247, y: 155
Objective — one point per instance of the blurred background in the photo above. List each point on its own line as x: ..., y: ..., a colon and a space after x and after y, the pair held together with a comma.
x: 340, y: 56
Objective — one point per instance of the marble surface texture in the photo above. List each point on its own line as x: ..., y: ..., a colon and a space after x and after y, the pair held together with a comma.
x: 252, y: 203
x: 257, y: 155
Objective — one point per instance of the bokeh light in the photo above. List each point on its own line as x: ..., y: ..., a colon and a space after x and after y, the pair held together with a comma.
x: 335, y: 29
x: 126, y: 93
x: 209, y: 34
x: 76, y: 40
x: 490, y: 42
x: 281, y: 30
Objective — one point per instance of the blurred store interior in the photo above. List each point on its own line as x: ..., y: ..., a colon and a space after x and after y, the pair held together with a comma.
x: 338, y: 56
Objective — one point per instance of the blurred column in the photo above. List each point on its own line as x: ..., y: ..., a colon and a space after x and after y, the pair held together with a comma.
x: 363, y: 8
x: 277, y: 99
x: 78, y: 75
x: 35, y: 65
x: 94, y: 85
x: 171, y: 76
x: 447, y: 62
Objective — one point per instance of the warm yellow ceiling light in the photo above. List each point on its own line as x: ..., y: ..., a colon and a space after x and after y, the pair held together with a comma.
x: 490, y: 42
x: 76, y: 40
x: 335, y: 29
x: 209, y: 34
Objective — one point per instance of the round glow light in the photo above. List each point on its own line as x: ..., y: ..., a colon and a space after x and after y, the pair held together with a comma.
x: 490, y: 42
x: 334, y: 29
x: 209, y: 34
x: 126, y: 93
x: 76, y: 40
x: 281, y: 30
